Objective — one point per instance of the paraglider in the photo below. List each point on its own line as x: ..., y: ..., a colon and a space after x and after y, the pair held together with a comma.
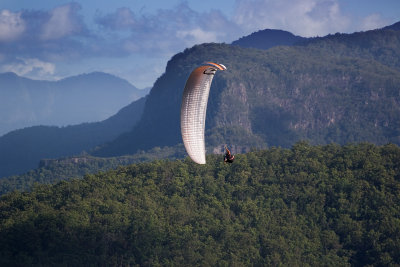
x: 229, y: 158
x: 194, y: 107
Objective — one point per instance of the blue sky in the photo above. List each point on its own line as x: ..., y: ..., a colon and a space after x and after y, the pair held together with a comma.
x: 134, y: 39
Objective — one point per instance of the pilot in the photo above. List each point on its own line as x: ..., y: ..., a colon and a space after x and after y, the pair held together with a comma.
x: 228, y: 156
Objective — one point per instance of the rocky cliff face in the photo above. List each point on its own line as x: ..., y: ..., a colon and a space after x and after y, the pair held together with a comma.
x: 334, y: 89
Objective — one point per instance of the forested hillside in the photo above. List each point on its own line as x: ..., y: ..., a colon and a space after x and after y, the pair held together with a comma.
x: 268, y: 38
x: 309, y: 205
x: 340, y: 88
x: 51, y: 171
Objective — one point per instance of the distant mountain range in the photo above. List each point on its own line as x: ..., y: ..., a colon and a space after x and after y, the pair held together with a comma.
x: 339, y: 88
x: 21, y: 150
x: 78, y: 99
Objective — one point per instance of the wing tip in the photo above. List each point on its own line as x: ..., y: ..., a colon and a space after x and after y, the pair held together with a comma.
x: 217, y: 65
x: 198, y: 161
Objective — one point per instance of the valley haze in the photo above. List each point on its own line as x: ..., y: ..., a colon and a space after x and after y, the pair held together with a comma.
x: 79, y: 99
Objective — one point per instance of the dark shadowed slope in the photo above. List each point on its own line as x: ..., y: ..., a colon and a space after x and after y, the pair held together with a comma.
x: 395, y: 27
x: 21, y: 150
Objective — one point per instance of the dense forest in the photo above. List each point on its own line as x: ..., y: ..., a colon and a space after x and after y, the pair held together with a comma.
x: 328, y: 205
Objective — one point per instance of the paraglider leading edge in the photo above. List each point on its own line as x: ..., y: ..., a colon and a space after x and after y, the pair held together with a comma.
x: 194, y: 108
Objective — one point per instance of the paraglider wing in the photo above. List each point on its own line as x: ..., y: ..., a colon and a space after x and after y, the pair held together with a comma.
x: 193, y: 110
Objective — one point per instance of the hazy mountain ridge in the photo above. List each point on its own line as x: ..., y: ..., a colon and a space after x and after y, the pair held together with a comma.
x: 395, y: 27
x: 21, y: 150
x: 84, y: 98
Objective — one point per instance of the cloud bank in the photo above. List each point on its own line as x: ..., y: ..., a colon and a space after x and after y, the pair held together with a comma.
x: 23, y: 66
x: 35, y: 42
x: 306, y: 18
x: 12, y: 26
x: 63, y: 21
x: 165, y: 31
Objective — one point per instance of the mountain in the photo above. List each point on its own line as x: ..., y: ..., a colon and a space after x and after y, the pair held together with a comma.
x: 83, y: 98
x: 21, y: 150
x: 395, y: 27
x: 265, y: 39
x: 340, y: 88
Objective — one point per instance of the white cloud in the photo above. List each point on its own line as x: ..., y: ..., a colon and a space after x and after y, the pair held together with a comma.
x: 165, y: 32
x: 11, y: 25
x: 373, y: 21
x: 197, y: 35
x: 29, y: 66
x: 122, y: 18
x: 63, y: 22
x: 306, y: 18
